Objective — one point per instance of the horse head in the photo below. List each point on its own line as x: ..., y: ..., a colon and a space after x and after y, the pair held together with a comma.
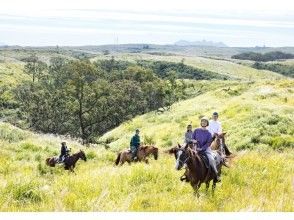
x: 218, y: 142
x: 155, y: 152
x: 182, y: 156
x: 82, y: 155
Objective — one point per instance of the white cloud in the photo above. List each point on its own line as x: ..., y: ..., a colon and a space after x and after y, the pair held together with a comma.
x: 157, y: 18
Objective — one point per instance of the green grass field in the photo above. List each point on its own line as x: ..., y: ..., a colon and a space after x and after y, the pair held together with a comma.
x: 257, y: 112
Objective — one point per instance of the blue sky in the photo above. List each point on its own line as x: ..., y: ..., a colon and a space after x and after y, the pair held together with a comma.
x: 88, y: 22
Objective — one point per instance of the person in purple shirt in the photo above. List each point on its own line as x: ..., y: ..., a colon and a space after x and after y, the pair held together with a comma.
x: 202, y: 139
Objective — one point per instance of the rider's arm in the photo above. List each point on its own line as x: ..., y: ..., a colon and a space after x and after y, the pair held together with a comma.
x: 208, y: 141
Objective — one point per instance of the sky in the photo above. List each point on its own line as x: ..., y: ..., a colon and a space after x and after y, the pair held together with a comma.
x: 88, y: 22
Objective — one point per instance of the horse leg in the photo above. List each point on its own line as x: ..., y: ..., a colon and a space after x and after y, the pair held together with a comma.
x: 213, y: 187
x: 207, y: 187
x: 122, y: 162
x: 196, y: 192
x: 146, y: 160
x: 196, y: 189
x: 71, y: 168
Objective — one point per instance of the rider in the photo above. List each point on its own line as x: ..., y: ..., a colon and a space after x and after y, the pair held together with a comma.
x: 215, y: 127
x: 203, y: 138
x: 188, y: 135
x: 64, y: 152
x: 135, y: 144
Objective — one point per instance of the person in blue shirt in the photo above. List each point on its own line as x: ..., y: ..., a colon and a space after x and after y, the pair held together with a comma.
x: 135, y: 144
x: 188, y: 135
x: 202, y: 138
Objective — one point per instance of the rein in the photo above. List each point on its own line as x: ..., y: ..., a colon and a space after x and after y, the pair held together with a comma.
x: 185, y: 161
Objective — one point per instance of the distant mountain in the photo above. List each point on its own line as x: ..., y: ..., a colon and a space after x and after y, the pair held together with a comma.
x: 200, y: 43
x: 2, y: 44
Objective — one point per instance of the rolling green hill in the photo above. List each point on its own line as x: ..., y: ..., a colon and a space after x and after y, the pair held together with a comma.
x: 258, y: 120
x: 256, y: 109
x: 224, y: 67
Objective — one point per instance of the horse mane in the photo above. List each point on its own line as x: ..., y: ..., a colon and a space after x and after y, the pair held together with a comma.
x: 144, y: 147
x: 196, y: 161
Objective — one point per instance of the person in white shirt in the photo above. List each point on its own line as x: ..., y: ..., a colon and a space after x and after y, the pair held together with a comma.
x: 215, y: 127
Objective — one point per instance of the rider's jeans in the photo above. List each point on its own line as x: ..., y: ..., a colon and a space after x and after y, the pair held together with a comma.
x: 211, y: 159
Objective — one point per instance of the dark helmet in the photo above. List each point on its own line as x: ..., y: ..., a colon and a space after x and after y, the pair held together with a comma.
x: 215, y: 114
x: 137, y: 130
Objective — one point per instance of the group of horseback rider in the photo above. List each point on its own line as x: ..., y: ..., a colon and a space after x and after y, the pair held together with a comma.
x: 200, y: 138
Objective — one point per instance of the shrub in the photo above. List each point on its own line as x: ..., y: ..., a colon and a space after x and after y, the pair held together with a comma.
x: 11, y: 133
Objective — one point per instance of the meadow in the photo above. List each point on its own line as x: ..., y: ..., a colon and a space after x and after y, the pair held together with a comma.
x: 256, y: 110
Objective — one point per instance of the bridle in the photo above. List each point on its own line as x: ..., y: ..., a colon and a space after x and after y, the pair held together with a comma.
x: 181, y: 161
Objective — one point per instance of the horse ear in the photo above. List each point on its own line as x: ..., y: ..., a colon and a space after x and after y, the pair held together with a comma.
x: 180, y: 146
x: 224, y: 133
x: 172, y: 150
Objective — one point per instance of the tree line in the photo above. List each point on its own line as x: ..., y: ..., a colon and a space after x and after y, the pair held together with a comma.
x: 286, y: 70
x: 85, y: 99
x: 270, y: 56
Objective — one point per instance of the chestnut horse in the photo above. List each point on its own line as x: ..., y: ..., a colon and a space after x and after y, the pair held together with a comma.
x: 69, y: 162
x: 142, y: 154
x: 219, y: 143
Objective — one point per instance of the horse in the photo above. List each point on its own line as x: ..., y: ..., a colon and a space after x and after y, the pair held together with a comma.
x: 219, y: 143
x: 69, y: 162
x: 142, y: 154
x: 196, y: 172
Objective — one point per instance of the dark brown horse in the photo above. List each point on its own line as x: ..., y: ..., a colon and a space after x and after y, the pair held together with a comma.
x: 142, y: 154
x: 69, y: 162
x: 196, y: 171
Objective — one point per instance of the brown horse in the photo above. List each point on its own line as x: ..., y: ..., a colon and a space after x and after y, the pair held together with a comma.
x: 69, y: 162
x: 219, y: 143
x: 143, y: 153
x: 196, y: 172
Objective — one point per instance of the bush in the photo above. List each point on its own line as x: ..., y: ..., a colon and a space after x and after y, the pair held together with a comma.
x: 12, y: 134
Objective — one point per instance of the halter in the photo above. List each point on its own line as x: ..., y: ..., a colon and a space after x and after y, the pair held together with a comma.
x: 185, y: 161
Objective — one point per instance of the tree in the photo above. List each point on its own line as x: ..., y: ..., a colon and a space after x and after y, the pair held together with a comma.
x: 35, y: 67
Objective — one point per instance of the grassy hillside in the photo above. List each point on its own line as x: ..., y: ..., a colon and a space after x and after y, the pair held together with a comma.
x: 253, y: 114
x: 257, y: 116
x: 224, y: 67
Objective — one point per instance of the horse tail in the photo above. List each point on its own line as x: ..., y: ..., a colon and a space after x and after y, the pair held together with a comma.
x: 118, y: 159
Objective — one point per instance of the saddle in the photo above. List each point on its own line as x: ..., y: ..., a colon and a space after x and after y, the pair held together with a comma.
x: 204, y: 158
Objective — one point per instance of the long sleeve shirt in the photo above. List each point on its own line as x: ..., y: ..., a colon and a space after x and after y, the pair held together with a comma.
x: 203, y: 138
x: 135, y: 141
x: 64, y: 150
x: 188, y: 136
x: 214, y: 127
